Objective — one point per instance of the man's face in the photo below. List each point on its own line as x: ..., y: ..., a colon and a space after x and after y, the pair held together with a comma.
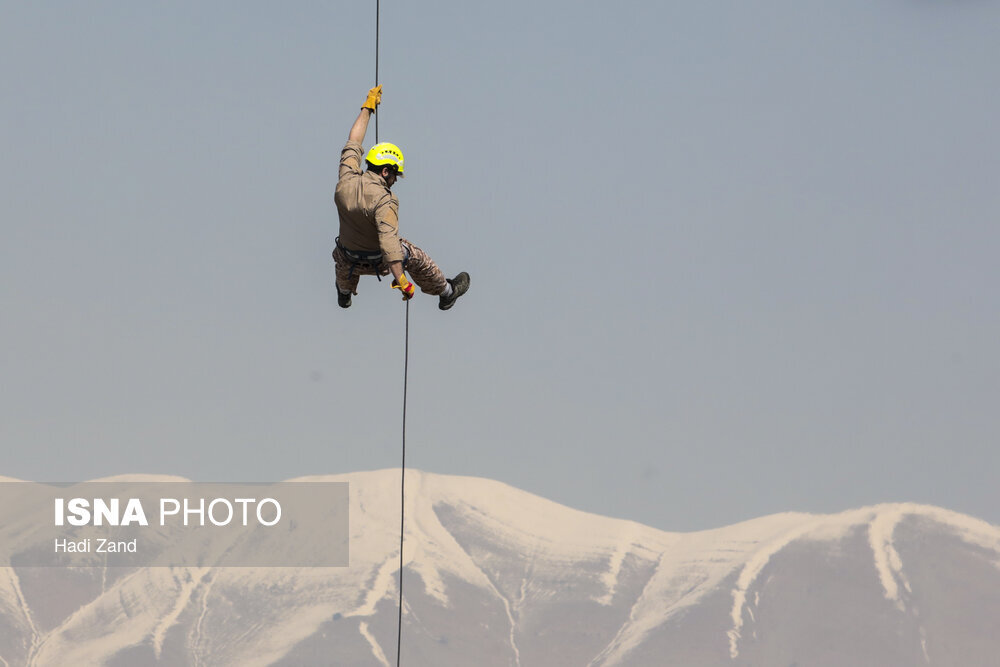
x: 389, y: 175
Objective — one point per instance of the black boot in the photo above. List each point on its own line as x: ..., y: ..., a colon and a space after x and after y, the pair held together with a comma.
x: 343, y: 300
x: 459, y: 286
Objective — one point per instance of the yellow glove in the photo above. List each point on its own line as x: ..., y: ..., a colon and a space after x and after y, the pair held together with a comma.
x: 373, y: 99
x: 404, y: 286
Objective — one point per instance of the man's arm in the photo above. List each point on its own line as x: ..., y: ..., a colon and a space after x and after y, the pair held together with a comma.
x: 360, y: 127
x: 396, y: 268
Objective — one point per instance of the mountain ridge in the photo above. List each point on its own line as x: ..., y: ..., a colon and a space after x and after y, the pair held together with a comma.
x: 532, y: 571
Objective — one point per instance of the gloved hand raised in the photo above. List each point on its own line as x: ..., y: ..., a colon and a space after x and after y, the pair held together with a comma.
x: 404, y: 286
x: 373, y: 99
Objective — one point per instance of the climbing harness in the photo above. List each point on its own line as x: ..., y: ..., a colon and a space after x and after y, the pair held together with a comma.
x: 369, y: 259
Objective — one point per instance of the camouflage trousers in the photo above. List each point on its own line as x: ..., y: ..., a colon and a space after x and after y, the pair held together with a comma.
x: 418, y: 266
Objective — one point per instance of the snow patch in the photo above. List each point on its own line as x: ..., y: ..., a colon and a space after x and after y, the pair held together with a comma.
x: 748, y: 575
x: 140, y: 478
x: 610, y: 576
x: 887, y: 561
x: 183, y: 598
x: 23, y: 607
x: 196, y: 634
x: 376, y: 649
x: 382, y: 586
x: 513, y: 628
x: 123, y: 617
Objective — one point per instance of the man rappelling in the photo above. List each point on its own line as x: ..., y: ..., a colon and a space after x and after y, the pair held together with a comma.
x: 369, y: 241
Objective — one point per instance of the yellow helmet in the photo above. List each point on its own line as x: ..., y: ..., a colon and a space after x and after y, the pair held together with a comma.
x: 384, y: 154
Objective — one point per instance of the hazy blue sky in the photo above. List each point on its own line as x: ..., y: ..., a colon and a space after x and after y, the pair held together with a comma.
x: 727, y: 258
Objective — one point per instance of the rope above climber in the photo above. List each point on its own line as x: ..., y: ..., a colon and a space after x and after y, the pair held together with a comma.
x: 369, y: 241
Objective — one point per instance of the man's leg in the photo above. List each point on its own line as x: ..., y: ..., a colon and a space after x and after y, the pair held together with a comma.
x: 347, y: 277
x: 423, y: 271
x: 426, y: 274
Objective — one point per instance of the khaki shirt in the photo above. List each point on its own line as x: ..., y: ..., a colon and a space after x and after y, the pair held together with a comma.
x: 369, y: 212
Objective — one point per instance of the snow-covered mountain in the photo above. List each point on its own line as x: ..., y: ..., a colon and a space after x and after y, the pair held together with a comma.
x: 497, y: 576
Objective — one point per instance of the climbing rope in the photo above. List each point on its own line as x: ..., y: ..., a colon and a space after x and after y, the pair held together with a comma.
x: 406, y: 370
x: 402, y: 487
